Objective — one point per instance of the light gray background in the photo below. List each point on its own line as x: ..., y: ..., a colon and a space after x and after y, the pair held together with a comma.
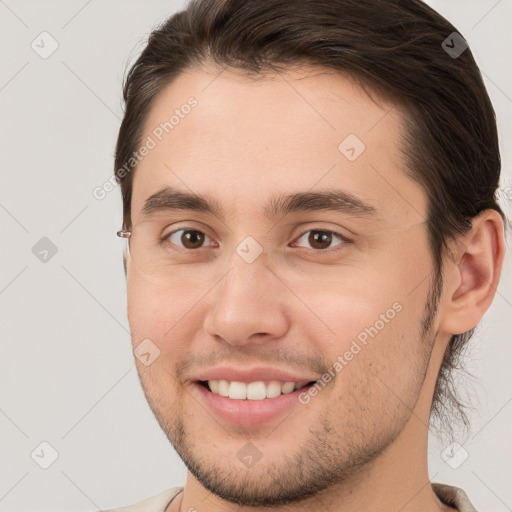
x: 67, y: 371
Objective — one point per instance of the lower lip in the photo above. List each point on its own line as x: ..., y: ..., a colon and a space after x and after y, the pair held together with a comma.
x: 249, y: 412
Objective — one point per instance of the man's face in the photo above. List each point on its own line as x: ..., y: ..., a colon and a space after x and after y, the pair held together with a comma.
x: 256, y: 294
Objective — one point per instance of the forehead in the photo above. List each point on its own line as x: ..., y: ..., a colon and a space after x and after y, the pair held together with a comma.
x: 242, y: 140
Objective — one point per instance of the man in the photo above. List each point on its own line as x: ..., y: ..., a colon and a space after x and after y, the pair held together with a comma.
x: 309, y: 203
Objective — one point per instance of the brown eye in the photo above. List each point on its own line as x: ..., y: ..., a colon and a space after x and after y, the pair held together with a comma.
x: 321, y: 239
x: 188, y: 238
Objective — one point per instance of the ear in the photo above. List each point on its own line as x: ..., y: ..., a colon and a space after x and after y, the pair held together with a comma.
x: 472, y: 273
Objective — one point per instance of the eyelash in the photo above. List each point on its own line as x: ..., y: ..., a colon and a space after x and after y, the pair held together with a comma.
x: 343, y: 240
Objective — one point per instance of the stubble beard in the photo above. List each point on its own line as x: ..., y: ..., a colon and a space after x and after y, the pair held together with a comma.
x: 325, y: 459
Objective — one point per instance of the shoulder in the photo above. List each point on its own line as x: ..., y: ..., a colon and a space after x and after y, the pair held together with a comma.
x: 156, y: 503
x: 454, y: 497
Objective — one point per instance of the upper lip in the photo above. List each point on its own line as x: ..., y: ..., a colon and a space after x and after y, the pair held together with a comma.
x: 252, y: 375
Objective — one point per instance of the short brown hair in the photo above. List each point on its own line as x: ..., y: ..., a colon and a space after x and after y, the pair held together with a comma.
x: 395, y: 46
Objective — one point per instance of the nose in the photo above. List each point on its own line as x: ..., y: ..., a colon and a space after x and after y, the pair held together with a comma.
x: 249, y: 305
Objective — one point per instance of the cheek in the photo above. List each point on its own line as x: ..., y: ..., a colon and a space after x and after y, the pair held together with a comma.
x: 364, y: 330
x: 378, y: 364
x: 371, y: 315
x: 151, y: 315
x: 148, y: 310
x: 341, y: 304
x: 163, y: 315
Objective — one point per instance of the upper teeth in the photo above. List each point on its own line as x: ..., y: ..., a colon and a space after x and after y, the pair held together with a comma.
x: 253, y: 390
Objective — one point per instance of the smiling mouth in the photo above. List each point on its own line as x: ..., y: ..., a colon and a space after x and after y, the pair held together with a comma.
x: 258, y: 390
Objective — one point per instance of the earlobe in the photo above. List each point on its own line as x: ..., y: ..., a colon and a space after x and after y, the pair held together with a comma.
x: 474, y: 274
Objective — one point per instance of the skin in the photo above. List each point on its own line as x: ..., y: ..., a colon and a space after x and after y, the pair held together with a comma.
x: 361, y: 443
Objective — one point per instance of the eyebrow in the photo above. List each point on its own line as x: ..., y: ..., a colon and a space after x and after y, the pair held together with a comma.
x: 169, y: 199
